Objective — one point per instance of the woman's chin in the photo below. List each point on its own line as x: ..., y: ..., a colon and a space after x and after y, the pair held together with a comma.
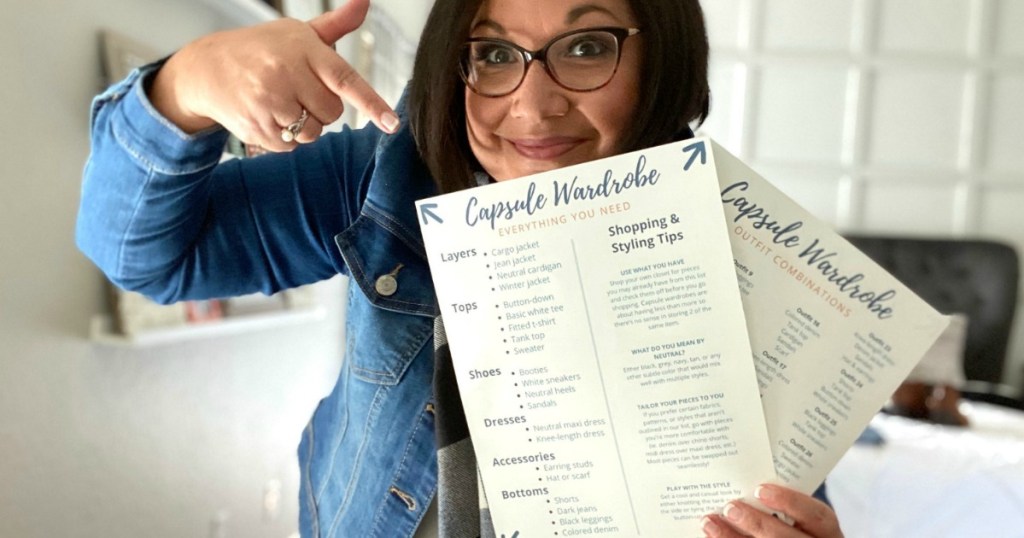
x: 529, y: 167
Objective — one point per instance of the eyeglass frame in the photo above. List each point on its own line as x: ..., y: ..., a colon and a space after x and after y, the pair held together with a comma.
x: 529, y: 56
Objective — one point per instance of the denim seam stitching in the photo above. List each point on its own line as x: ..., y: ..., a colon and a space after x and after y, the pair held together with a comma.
x: 393, y: 225
x: 356, y: 268
x: 401, y: 465
x: 151, y: 110
x: 356, y: 465
x: 135, y: 212
x: 131, y: 150
x: 409, y: 351
x: 354, y: 261
x: 149, y: 165
x: 373, y: 207
x: 334, y: 450
x: 310, y: 499
x: 369, y: 372
x: 433, y: 489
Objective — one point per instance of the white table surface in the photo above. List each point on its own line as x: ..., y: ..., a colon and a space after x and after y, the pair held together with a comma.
x: 935, y: 481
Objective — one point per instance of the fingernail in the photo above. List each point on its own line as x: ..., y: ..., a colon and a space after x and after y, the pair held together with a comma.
x: 709, y: 527
x: 390, y: 121
x: 763, y: 493
x: 733, y: 512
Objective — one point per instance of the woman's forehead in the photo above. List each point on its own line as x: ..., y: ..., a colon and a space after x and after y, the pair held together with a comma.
x: 542, y: 18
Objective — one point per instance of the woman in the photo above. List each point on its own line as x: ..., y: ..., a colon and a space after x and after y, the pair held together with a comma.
x: 159, y: 214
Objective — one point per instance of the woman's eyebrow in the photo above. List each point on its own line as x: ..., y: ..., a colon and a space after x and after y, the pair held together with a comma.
x: 580, y: 11
x: 574, y: 15
x: 488, y: 23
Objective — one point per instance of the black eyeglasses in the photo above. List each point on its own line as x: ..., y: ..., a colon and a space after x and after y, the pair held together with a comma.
x: 581, y: 60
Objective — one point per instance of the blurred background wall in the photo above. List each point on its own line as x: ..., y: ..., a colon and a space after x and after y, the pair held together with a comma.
x: 901, y: 116
x: 880, y: 116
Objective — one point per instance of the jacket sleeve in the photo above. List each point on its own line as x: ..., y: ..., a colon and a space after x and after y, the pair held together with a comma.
x: 161, y: 215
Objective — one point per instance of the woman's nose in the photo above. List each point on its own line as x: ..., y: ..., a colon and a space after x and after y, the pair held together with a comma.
x: 539, y: 96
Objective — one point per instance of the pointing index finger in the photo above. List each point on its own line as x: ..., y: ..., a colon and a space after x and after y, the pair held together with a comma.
x: 343, y: 80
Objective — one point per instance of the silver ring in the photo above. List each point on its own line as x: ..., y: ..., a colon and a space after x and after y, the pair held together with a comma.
x: 289, y: 133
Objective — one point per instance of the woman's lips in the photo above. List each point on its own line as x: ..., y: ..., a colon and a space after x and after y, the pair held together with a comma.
x: 544, y: 148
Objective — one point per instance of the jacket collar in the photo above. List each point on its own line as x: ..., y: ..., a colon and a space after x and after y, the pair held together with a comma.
x: 400, y: 179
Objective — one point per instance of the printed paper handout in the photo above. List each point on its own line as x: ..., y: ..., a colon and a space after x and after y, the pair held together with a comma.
x: 602, y: 319
x: 833, y: 333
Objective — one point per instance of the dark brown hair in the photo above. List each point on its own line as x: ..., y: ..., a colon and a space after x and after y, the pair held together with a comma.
x: 674, y: 77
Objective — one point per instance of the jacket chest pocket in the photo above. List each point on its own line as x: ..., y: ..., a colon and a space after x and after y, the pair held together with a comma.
x: 391, y: 305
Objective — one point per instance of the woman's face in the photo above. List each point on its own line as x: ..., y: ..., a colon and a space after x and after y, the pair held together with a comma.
x: 542, y: 126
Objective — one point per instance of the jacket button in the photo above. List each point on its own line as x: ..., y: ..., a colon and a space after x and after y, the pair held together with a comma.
x: 386, y: 285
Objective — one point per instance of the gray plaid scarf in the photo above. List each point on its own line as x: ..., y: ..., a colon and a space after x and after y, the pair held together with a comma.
x: 461, y: 503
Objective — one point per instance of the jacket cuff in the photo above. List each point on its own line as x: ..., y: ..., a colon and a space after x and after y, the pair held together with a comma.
x: 151, y: 138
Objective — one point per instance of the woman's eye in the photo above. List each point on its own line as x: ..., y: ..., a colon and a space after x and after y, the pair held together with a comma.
x: 496, y: 55
x: 587, y: 47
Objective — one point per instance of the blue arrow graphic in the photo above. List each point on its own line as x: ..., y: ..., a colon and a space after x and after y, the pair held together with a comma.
x: 425, y: 211
x: 698, y: 149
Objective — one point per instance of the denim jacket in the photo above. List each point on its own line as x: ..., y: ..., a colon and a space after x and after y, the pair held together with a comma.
x: 160, y: 216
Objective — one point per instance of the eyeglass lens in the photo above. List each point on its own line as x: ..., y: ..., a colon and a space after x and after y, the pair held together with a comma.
x: 579, y: 61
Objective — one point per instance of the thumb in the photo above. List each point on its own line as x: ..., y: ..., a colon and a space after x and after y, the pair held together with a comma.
x: 334, y: 24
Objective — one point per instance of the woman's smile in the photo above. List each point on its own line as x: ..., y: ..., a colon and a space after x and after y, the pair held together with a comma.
x: 544, y: 148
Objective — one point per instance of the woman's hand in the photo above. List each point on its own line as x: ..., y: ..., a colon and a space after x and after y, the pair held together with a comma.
x: 255, y: 81
x: 812, y: 517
